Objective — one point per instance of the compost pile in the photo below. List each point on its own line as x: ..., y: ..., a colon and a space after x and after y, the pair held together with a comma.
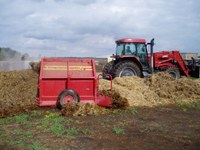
x: 170, y: 90
x: 18, y: 91
x: 82, y: 109
x: 159, y: 89
x: 35, y: 66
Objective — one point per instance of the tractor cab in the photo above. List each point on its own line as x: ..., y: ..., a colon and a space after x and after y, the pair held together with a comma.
x: 131, y: 59
x: 133, y: 48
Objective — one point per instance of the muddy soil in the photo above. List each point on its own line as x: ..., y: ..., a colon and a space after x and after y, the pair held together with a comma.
x: 18, y: 91
x: 166, y: 127
x: 152, y: 128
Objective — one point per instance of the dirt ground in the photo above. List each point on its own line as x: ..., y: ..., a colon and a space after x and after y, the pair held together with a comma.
x: 166, y: 127
x: 152, y: 113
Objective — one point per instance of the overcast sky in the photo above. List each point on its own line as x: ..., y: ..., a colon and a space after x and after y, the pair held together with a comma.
x: 90, y: 27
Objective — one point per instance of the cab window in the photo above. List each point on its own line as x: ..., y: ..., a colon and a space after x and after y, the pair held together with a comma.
x: 119, y: 49
x: 141, y: 49
x: 142, y: 53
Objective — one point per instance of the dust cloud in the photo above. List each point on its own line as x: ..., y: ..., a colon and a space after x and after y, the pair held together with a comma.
x: 13, y: 60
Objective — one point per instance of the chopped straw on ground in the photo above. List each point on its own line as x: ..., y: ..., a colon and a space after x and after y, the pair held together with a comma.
x: 158, y: 89
x: 82, y: 109
x: 18, y: 91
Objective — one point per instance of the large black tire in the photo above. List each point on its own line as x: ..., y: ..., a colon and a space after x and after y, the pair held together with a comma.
x: 174, y: 72
x: 107, y: 68
x: 67, y: 96
x: 126, y: 68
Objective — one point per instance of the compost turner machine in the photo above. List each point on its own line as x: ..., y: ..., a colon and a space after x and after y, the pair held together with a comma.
x: 64, y: 80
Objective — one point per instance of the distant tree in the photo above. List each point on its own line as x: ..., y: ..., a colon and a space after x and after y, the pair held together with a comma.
x: 9, y: 54
x: 25, y: 56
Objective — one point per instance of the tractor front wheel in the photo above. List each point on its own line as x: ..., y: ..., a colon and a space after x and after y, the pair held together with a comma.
x: 127, y: 68
x: 67, y: 96
x: 174, y: 72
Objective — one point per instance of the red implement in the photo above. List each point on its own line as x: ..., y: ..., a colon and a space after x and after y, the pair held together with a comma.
x: 63, y: 80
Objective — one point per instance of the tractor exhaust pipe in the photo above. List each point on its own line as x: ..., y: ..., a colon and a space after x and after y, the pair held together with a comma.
x: 151, y: 53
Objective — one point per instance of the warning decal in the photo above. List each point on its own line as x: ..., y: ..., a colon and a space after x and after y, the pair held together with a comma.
x: 65, y: 67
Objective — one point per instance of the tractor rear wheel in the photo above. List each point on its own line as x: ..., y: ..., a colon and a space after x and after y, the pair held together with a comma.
x: 107, y: 68
x: 67, y: 96
x: 174, y: 72
x: 127, y: 68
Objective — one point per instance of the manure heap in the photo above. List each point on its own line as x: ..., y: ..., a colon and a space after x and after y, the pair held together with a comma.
x: 18, y: 91
x: 82, y: 109
x: 159, y: 89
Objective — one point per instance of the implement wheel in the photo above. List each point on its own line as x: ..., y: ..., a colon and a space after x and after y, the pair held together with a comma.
x: 67, y: 96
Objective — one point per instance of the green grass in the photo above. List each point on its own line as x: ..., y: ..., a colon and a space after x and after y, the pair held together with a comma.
x: 72, y: 131
x: 2, y: 130
x: 36, y: 113
x: 3, y: 134
x: 23, y: 118
x: 193, y: 78
x: 49, y: 120
x: 57, y: 129
x: 17, y: 131
x: 187, y: 105
x: 134, y: 110
x: 7, y: 120
x: 19, y: 143
x: 27, y: 134
x: 35, y: 146
x: 118, y: 130
x: 56, y: 118
x: 20, y: 131
x: 196, y: 106
x: 19, y: 136
x: 55, y: 123
x: 86, y: 132
x: 124, y: 124
x: 71, y: 120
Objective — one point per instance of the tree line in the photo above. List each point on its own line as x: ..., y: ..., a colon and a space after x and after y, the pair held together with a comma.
x: 9, y: 54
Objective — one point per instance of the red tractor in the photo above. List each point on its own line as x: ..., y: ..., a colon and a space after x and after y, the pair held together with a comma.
x: 134, y: 59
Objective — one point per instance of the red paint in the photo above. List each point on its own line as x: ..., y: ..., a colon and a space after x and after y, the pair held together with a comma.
x: 162, y: 60
x: 78, y: 74
x: 165, y: 59
x: 68, y: 99
x: 131, y: 40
